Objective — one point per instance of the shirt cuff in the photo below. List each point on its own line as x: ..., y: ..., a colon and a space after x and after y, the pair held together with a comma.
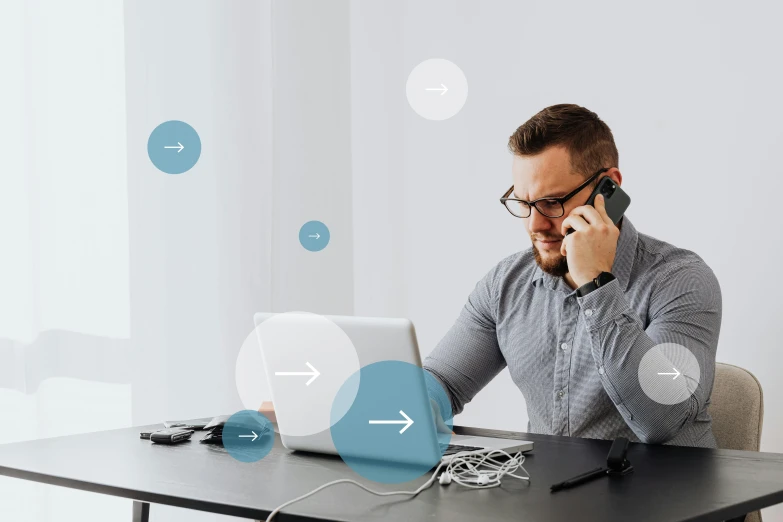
x: 438, y: 394
x: 603, y: 305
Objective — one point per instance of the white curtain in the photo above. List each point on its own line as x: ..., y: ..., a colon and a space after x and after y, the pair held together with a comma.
x: 64, y: 267
x: 63, y: 204
x: 125, y: 293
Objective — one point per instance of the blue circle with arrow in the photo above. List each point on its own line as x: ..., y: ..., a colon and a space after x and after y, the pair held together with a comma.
x: 314, y: 236
x: 248, y: 436
x: 386, y: 431
x: 174, y: 147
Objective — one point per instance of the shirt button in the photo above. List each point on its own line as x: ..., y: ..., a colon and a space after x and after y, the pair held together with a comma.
x: 588, y: 312
x: 560, y: 393
x: 601, y: 370
x: 564, y: 346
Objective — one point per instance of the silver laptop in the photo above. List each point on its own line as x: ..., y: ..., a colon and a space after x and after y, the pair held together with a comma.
x: 299, y: 395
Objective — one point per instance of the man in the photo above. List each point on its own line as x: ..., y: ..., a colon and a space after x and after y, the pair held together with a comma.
x: 572, y: 316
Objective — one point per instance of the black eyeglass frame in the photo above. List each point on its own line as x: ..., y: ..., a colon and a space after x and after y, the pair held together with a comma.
x: 560, y: 200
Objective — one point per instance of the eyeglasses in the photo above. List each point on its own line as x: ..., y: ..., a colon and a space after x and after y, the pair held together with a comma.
x: 548, y: 207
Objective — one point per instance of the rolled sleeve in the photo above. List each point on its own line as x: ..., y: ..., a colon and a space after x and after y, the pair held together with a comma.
x: 685, y: 308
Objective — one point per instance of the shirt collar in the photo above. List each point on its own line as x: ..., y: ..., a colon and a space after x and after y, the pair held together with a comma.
x: 623, y: 259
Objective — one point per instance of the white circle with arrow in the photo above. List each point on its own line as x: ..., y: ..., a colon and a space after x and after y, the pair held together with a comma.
x: 669, y: 373
x: 436, y: 89
x: 308, y: 358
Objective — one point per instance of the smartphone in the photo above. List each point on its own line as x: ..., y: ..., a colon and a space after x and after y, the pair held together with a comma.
x: 616, y: 199
x: 170, y: 436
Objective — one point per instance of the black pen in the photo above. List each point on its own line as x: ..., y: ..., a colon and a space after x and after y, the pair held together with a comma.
x: 579, y: 479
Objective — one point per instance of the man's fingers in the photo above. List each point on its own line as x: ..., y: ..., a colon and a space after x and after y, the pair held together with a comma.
x: 268, y: 410
x: 590, y: 214
x: 600, y: 207
x: 574, y: 220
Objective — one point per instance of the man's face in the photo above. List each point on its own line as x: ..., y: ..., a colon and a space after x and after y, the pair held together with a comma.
x: 544, y: 175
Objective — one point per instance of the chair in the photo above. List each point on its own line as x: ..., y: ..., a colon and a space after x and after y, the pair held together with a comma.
x: 737, y: 410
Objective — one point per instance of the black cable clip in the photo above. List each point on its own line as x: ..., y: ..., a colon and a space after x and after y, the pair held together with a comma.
x: 617, y: 460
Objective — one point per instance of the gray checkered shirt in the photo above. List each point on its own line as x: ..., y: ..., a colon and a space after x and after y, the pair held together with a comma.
x: 576, y: 359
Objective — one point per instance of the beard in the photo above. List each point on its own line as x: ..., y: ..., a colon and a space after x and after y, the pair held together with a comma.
x: 554, y: 265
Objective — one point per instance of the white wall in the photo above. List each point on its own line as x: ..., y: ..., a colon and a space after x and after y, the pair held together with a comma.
x: 312, y: 155
x: 690, y: 91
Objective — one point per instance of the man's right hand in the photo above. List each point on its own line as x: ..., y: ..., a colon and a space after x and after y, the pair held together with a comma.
x: 267, y: 409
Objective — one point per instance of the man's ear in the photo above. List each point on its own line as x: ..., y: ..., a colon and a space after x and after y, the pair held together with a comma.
x: 616, y: 175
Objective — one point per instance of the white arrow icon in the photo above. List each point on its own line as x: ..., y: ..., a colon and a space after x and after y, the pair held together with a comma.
x: 408, y: 421
x: 253, y: 435
x: 316, y: 235
x: 179, y: 146
x: 676, y: 373
x: 315, y: 373
x: 442, y: 88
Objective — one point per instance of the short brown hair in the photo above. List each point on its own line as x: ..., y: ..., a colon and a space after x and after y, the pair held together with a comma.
x: 587, y: 138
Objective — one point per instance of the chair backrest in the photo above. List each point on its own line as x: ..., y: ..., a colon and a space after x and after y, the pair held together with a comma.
x: 737, y: 408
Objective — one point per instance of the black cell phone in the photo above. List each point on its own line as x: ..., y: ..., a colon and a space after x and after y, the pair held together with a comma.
x: 616, y: 199
x: 170, y: 436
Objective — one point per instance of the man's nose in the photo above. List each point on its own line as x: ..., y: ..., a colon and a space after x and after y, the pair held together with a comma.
x: 538, y: 223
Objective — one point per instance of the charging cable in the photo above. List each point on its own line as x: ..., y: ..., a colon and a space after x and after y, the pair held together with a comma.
x: 483, y: 470
x: 469, y: 469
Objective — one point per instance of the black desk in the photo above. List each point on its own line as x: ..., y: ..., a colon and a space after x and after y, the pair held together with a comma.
x: 668, y: 483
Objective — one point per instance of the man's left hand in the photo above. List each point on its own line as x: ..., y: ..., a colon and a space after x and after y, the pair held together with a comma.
x: 591, y: 248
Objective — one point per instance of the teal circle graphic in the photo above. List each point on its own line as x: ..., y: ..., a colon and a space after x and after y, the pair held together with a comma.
x: 386, y: 431
x: 174, y: 147
x: 248, y: 436
x: 314, y: 236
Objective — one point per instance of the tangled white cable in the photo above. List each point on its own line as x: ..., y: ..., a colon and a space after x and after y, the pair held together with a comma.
x: 483, y: 470
x: 469, y: 469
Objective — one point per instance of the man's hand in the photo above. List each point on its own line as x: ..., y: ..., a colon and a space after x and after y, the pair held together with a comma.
x: 268, y: 410
x: 591, y: 248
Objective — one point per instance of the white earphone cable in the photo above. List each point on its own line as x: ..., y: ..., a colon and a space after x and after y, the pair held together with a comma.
x: 464, y: 469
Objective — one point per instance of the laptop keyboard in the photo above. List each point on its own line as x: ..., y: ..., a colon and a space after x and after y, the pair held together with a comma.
x: 451, y: 449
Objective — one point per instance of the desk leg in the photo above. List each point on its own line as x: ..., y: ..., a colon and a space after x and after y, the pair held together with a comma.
x: 141, y: 511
